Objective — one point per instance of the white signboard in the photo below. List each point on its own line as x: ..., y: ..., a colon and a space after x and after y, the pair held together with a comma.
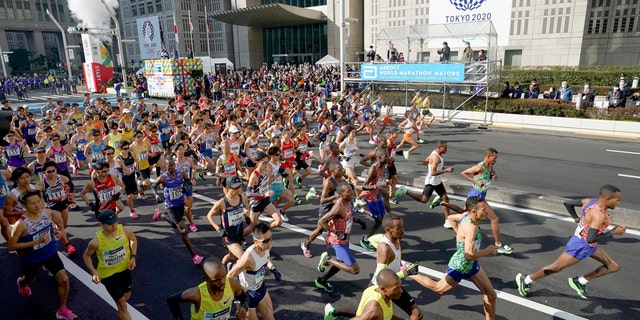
x: 455, y: 11
x: 149, y: 38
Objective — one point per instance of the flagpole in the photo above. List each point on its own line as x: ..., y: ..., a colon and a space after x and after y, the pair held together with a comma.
x: 206, y: 22
x: 191, y: 30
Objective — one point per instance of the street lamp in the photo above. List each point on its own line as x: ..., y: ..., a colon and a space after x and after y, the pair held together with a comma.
x: 64, y: 43
x: 116, y: 32
x: 343, y: 25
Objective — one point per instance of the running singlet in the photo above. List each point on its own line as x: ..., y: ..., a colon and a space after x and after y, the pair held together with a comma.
x: 165, y: 130
x: 257, y: 192
x: 113, y: 253
x: 371, y: 195
x: 59, y: 157
x: 15, y: 155
x: 156, y: 147
x: 29, y: 130
x: 185, y: 167
x: 96, y: 151
x: 173, y: 190
x: 82, y: 143
x: 288, y: 154
x: 35, y: 231
x: 211, y: 309
x: 582, y: 229
x: 434, y: 180
x: 229, y: 165
x: 54, y: 193
x: 485, y: 177
x: 396, y: 264
x: 458, y: 261
x: 141, y: 153
x: 128, y: 162
x: 341, y: 224
x: 38, y: 171
x: 206, y: 146
x: 254, y: 279
x: 106, y: 193
x: 233, y: 218
x: 370, y: 294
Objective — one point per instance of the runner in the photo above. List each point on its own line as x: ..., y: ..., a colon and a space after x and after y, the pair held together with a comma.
x: 36, y: 166
x: 251, y: 269
x: 593, y: 227
x: 174, y: 199
x: 372, y: 189
x: 115, y: 247
x: 350, y: 150
x: 211, y: 299
x: 28, y: 130
x: 140, y: 149
x: 103, y: 186
x: 259, y: 193
x: 432, y: 181
x: 60, y: 154
x: 127, y: 164
x: 14, y: 152
x: 232, y: 209
x: 276, y: 183
x: 78, y: 144
x: 338, y: 222
x: 186, y: 165
x: 409, y: 127
x: 481, y: 176
x: 34, y: 236
x: 463, y: 264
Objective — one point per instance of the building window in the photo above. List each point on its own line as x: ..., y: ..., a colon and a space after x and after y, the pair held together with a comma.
x: 134, y: 12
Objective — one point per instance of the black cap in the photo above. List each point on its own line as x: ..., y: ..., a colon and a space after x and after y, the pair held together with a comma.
x: 108, y: 217
x: 233, y: 182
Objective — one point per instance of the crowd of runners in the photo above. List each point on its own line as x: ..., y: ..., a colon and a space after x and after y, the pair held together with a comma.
x: 258, y: 149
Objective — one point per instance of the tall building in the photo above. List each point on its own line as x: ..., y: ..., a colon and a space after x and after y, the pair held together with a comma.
x: 24, y: 24
x: 530, y: 32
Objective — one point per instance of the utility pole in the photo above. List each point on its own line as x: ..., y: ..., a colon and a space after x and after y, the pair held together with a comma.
x: 116, y: 32
x: 64, y: 43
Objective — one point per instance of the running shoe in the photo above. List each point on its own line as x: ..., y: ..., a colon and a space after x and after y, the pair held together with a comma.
x: 284, y: 217
x: 73, y: 205
x: 285, y: 182
x: 329, y: 312
x: 367, y: 245
x: 372, y: 141
x: 156, y: 215
x: 65, y: 314
x: 142, y: 196
x: 311, y: 194
x: 201, y: 177
x: 523, y: 288
x: 503, y: 248
x: 133, y: 214
x: 23, y: 291
x: 70, y: 249
x: 401, y: 191
x: 75, y: 170
x: 298, y: 182
x: 581, y: 289
x: 305, y: 250
x: 393, y: 200
x: 209, y: 174
x: 193, y: 227
x: 325, y: 285
x: 436, y: 202
x: 158, y: 199
x: 406, y: 155
x: 295, y: 197
x: 323, y: 261
x: 410, y: 268
x: 420, y: 139
x: 197, y: 259
x: 448, y: 225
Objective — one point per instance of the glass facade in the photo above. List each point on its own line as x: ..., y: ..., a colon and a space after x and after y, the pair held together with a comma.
x: 295, y: 44
x: 298, y: 3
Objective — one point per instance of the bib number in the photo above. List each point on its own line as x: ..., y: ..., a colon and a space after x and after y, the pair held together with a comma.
x: 113, y: 257
x: 175, y: 193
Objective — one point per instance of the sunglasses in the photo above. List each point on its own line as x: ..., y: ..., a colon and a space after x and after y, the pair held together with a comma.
x: 123, y: 149
x: 109, y: 153
x: 55, y: 139
x: 96, y: 135
x: 267, y: 240
x: 50, y: 171
x: 103, y: 171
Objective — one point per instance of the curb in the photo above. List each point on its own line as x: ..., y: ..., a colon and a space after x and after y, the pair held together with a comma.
x: 522, y: 199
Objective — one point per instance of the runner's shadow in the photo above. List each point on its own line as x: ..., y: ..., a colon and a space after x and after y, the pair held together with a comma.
x: 623, y: 308
x: 474, y: 308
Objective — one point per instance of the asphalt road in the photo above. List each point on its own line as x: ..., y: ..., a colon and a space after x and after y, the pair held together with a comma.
x: 566, y: 166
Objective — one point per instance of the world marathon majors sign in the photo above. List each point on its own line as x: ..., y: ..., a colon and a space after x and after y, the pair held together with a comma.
x: 427, y: 72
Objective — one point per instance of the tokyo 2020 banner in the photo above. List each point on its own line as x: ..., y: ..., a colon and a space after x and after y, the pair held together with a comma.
x: 149, y: 38
x: 455, y: 11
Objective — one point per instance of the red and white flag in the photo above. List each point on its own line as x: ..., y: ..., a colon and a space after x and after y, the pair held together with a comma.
x: 206, y: 19
x: 175, y: 29
x: 190, y: 22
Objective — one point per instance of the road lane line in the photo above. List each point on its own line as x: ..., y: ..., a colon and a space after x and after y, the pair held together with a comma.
x: 437, y: 274
x: 628, y: 176
x: 98, y: 289
x: 622, y: 151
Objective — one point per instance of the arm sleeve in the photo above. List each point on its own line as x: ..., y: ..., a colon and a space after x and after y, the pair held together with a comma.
x: 593, y: 236
x: 174, y: 305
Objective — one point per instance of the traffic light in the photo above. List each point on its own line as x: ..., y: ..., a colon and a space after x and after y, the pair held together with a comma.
x: 77, y: 30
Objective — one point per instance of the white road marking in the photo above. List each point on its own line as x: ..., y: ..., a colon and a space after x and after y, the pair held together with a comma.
x: 98, y: 289
x: 437, y: 274
x: 622, y: 151
x: 628, y: 176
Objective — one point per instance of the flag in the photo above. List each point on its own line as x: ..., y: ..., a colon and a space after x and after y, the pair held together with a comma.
x: 190, y: 22
x: 175, y: 29
x: 206, y: 19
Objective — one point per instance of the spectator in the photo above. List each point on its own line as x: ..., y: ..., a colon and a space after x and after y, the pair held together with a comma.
x: 516, y: 91
x: 635, y: 97
x: 564, y: 92
x: 371, y: 54
x: 616, y: 97
x: 549, y: 94
x: 174, y: 54
x: 506, y: 90
x: 445, y: 52
x: 467, y: 54
x: 532, y: 92
x: 378, y: 58
x: 588, y: 93
x: 481, y: 56
x: 391, y: 52
x: 401, y: 57
x: 189, y: 53
x: 164, y: 54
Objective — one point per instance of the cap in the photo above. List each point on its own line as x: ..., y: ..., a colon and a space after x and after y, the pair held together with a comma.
x: 108, y: 217
x: 233, y: 129
x: 39, y: 149
x: 49, y: 111
x: 234, y: 182
x: 126, y: 111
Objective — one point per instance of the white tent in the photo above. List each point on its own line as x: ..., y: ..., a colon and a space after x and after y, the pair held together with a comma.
x: 328, y: 59
x: 209, y: 64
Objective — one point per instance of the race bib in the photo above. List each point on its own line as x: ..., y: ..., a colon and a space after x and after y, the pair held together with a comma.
x: 38, y: 236
x: 175, y: 193
x: 60, y: 158
x: 229, y: 168
x: 55, y: 194
x: 142, y: 156
x: 476, y: 247
x: 347, y: 230
x: 115, y: 256
x: 156, y: 148
x: 106, y: 195
x: 31, y: 131
x: 208, y: 145
x: 235, y: 149
x: 165, y: 130
x: 12, y: 152
x: 288, y: 153
x: 220, y: 315
x: 253, y: 152
x: 236, y: 218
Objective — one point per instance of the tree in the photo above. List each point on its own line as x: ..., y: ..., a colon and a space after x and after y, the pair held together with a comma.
x: 19, y: 60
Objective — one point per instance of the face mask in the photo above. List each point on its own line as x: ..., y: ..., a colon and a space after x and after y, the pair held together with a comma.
x: 564, y: 86
x: 616, y: 88
x: 586, y: 87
